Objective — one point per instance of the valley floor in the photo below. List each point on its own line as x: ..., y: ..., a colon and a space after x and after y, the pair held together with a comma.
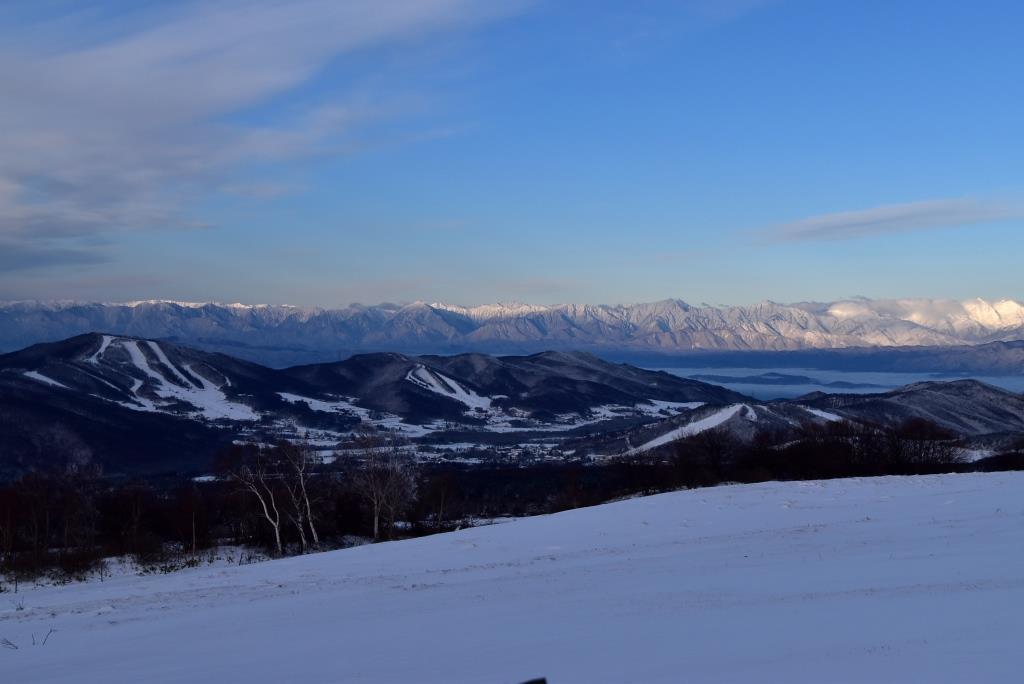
x: 884, y: 580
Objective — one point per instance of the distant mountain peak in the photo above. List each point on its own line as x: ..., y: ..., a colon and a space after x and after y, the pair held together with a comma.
x: 269, y: 332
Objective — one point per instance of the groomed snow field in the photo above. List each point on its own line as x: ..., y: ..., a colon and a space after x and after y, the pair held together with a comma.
x: 895, y: 579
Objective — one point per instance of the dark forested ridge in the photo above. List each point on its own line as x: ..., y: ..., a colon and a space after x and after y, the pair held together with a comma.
x: 139, y: 407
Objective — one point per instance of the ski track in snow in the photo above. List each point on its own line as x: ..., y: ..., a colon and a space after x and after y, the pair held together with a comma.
x: 104, y: 381
x: 162, y: 358
x: 697, y: 427
x: 441, y: 384
x: 95, y: 358
x: 500, y: 420
x: 209, y: 401
x: 824, y: 415
x: 39, y: 377
x: 893, y: 579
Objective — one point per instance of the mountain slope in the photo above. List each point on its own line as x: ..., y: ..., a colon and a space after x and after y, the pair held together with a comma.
x: 108, y: 397
x: 139, y: 405
x: 283, y: 335
x: 742, y: 421
x: 132, y: 405
x: 967, y: 407
x: 150, y: 376
x: 891, y: 579
x: 541, y: 384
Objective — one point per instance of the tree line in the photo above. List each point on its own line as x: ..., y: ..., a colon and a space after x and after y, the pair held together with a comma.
x: 284, y: 498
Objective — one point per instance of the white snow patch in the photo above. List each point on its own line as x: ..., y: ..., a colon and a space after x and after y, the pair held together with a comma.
x: 824, y: 415
x: 387, y: 421
x: 142, y: 403
x: 167, y: 363
x: 103, y: 380
x: 338, y: 406
x: 502, y: 421
x: 441, y: 384
x: 656, y: 406
x: 696, y: 427
x: 972, y: 455
x: 36, y: 375
x: 210, y: 402
x: 459, y: 446
x: 98, y: 354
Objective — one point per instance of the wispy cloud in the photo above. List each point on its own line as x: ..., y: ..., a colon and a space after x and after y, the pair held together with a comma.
x: 893, y: 218
x: 18, y: 256
x: 260, y: 189
x: 117, y: 123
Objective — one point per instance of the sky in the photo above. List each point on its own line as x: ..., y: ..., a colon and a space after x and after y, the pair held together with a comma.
x: 325, y: 152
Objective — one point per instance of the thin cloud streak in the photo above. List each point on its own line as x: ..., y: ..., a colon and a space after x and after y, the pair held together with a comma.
x: 127, y: 129
x: 15, y: 257
x: 893, y: 218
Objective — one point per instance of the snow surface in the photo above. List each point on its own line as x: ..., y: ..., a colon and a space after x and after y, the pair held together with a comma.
x: 386, y: 421
x: 95, y: 358
x: 208, y: 400
x: 697, y: 427
x: 498, y: 420
x: 446, y: 387
x: 142, y: 403
x: 488, y: 312
x: 515, y: 420
x: 824, y: 415
x: 971, y: 455
x: 162, y: 358
x: 892, y: 579
x: 36, y: 375
x: 654, y: 407
x: 671, y: 324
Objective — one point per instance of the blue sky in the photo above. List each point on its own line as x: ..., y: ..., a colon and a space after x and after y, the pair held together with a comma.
x: 326, y: 152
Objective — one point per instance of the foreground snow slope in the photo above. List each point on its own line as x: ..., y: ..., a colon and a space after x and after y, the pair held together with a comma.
x: 888, y: 579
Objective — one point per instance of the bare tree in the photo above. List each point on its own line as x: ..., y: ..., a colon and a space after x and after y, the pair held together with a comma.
x: 923, y: 444
x: 386, y: 479
x: 300, y: 460
x: 7, y: 530
x: 254, y: 472
x: 297, y: 515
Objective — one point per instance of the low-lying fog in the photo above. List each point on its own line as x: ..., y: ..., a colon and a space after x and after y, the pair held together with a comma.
x: 786, y: 383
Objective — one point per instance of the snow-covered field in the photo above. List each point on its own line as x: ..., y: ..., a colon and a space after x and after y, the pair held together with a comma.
x: 864, y: 580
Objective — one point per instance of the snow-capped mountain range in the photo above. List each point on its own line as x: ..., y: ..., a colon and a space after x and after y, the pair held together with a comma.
x: 280, y: 335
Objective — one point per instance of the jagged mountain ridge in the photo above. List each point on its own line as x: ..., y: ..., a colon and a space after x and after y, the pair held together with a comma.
x: 284, y: 335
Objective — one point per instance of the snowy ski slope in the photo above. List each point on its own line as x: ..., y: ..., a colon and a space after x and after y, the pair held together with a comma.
x: 865, y: 580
